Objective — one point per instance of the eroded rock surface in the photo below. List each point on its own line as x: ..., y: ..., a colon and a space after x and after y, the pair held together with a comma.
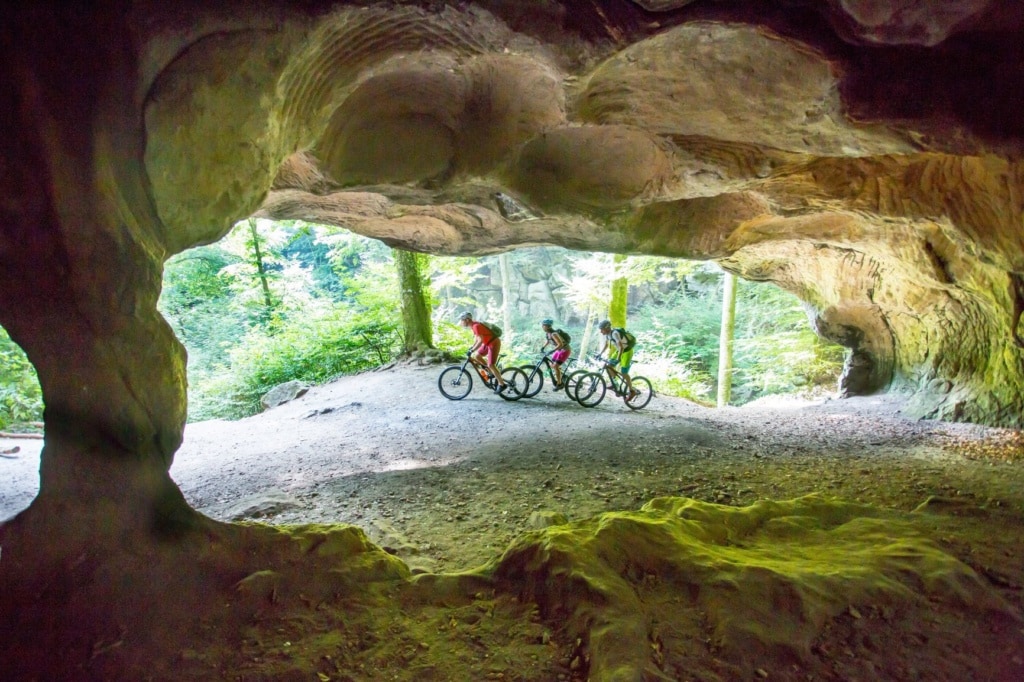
x: 864, y: 155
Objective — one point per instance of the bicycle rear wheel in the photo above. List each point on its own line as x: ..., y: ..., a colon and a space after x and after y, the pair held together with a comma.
x: 590, y: 389
x: 643, y: 396
x: 517, y: 383
x: 534, y: 380
x: 455, y: 383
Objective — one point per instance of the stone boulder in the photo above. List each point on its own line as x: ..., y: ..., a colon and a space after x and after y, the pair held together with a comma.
x: 283, y: 393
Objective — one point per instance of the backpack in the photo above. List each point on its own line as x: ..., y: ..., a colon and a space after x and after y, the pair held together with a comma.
x: 495, y: 329
x: 564, y: 335
x: 630, y: 339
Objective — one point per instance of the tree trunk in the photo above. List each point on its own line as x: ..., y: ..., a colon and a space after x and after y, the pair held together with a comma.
x: 506, y: 300
x: 588, y: 328
x: 725, y: 340
x: 620, y: 294
x: 261, y: 271
x: 415, y: 310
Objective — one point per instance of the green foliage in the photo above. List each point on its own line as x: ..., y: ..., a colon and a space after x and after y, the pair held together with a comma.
x: 451, y: 337
x: 337, y: 310
x: 776, y: 350
x: 313, y: 350
x: 316, y: 333
x: 307, y: 249
x: 677, y: 378
x: 21, y: 399
x: 198, y: 302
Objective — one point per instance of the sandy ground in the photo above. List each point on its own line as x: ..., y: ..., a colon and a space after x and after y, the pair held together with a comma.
x: 446, y: 485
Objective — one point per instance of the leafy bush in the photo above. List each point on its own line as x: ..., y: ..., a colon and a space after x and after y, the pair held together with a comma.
x: 675, y: 378
x: 322, y: 324
x: 775, y: 350
x: 21, y: 399
x: 310, y: 350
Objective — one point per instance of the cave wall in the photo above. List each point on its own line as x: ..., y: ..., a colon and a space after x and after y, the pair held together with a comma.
x: 863, y: 155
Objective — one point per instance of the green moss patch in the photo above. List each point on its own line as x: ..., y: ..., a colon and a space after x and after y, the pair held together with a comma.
x: 759, y: 586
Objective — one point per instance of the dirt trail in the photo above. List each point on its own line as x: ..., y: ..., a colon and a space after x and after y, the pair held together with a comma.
x: 451, y: 482
x: 446, y: 486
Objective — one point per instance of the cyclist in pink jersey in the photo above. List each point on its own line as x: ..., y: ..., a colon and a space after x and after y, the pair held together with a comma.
x: 560, y: 340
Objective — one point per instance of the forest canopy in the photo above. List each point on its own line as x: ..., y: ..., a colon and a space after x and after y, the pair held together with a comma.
x: 277, y: 301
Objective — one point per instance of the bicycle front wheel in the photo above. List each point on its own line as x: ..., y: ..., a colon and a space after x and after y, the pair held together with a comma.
x: 644, y: 393
x: 455, y: 383
x: 517, y: 383
x: 534, y: 380
x: 590, y: 390
x: 570, y: 380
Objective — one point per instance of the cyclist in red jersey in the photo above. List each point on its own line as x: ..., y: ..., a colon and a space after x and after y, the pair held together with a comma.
x: 488, y: 346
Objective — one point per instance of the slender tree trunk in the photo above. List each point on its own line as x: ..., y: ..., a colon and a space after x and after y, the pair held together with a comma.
x: 581, y: 352
x: 506, y: 300
x: 261, y: 271
x: 415, y: 311
x: 620, y: 294
x: 725, y: 340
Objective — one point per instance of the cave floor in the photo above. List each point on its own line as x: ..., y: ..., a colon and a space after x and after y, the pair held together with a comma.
x: 446, y: 486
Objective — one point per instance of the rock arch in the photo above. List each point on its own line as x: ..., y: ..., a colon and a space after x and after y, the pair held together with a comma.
x: 882, y: 184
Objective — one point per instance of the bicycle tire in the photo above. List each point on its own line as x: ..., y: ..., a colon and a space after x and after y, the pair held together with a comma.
x: 590, y: 389
x: 455, y: 383
x: 517, y: 383
x: 645, y: 391
x: 533, y: 374
x: 569, y: 383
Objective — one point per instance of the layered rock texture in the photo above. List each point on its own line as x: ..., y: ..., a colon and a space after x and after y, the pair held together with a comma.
x: 880, y: 184
x: 864, y: 155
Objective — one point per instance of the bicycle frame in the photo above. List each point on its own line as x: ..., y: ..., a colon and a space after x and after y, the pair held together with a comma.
x: 545, y: 363
x: 456, y: 381
x: 615, y: 379
x: 481, y: 367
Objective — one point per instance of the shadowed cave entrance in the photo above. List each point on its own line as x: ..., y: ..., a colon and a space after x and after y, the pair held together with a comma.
x: 905, y: 224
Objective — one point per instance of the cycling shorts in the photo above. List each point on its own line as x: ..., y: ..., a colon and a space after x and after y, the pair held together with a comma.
x: 490, y: 351
x: 623, y: 361
x: 560, y: 356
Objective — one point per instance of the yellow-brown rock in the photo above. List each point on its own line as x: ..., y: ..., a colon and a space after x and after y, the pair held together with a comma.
x: 864, y: 155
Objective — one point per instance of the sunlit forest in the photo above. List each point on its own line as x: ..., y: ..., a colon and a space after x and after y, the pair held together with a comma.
x: 277, y: 301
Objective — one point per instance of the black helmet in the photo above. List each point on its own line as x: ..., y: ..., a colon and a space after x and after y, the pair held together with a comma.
x: 466, y: 316
x: 604, y: 324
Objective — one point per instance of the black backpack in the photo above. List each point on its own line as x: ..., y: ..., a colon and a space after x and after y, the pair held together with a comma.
x: 630, y: 339
x: 564, y: 335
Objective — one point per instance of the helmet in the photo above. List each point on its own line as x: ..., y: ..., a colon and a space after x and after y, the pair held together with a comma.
x: 547, y: 322
x: 466, y: 316
x: 605, y: 324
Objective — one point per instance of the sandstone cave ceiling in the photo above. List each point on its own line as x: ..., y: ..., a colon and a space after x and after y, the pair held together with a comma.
x: 864, y: 155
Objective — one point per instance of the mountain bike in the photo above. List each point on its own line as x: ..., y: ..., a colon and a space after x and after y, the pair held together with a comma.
x: 571, y: 379
x: 535, y: 374
x: 456, y: 382
x: 591, y: 388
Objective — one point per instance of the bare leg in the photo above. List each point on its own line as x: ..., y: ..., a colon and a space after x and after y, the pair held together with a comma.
x: 480, y: 365
x: 496, y: 374
x: 612, y: 373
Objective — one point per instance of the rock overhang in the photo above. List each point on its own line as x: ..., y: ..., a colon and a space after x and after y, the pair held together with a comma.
x: 863, y: 155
